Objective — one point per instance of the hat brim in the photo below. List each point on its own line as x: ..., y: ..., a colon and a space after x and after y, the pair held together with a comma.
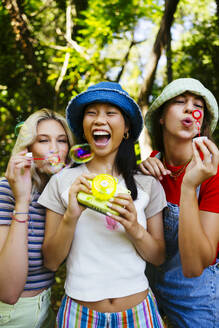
x: 75, y: 109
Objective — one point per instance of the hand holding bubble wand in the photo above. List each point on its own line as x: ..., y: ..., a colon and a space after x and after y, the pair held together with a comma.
x: 79, y: 154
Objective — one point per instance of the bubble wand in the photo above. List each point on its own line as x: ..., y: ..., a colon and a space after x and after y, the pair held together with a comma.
x: 197, y: 114
x: 79, y: 154
x: 51, y: 158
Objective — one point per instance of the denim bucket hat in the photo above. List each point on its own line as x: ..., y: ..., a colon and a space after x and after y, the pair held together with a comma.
x: 177, y: 87
x: 104, y: 92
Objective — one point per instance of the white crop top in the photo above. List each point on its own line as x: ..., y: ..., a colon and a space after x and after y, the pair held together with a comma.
x: 102, y: 262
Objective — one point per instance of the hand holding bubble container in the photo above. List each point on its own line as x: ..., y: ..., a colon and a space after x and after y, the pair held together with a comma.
x: 104, y: 187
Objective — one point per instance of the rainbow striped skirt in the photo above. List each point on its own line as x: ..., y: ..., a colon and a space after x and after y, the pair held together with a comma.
x: 143, y: 315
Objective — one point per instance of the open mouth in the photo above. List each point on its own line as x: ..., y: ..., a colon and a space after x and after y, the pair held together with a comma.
x: 101, y: 137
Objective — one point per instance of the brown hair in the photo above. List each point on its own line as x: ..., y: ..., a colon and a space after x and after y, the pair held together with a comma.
x: 157, y: 137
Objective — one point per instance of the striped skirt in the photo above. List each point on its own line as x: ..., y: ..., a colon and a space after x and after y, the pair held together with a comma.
x: 143, y: 315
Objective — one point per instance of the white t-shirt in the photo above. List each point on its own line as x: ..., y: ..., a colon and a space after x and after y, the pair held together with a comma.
x: 103, y: 263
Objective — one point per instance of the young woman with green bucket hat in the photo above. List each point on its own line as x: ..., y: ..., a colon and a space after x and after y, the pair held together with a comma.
x: 180, y: 122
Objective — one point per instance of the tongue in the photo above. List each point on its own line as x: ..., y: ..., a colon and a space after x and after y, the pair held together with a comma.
x: 101, y: 140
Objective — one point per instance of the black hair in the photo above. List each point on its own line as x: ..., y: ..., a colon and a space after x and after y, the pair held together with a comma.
x: 126, y: 165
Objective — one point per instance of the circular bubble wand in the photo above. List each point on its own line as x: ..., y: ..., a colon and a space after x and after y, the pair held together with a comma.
x: 197, y: 114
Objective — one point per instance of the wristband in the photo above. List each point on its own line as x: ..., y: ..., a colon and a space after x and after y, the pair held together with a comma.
x: 15, y: 212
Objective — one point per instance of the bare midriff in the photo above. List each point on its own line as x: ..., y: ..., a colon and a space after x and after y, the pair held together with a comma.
x: 31, y: 293
x: 115, y: 304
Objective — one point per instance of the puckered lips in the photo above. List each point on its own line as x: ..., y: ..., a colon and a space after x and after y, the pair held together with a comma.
x: 101, y: 137
x: 187, y: 122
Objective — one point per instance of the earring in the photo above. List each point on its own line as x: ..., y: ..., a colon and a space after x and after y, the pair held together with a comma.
x: 126, y: 135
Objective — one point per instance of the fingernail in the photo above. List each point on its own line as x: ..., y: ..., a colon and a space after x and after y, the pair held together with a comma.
x: 109, y: 214
x: 109, y: 204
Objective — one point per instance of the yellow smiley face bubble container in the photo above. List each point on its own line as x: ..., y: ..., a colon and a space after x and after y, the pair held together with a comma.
x: 104, y: 187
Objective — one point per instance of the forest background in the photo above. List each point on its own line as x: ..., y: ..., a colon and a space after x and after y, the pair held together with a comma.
x: 51, y: 50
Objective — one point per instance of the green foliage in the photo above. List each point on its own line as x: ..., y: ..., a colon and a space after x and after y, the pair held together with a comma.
x: 198, y: 57
x: 58, y: 288
x: 105, y: 20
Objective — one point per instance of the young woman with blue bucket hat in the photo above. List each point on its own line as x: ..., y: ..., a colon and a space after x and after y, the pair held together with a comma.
x: 105, y: 282
x: 180, y: 122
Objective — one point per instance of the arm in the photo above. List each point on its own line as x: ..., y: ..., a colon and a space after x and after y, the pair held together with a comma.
x: 13, y: 238
x: 149, y: 243
x: 59, y: 232
x: 198, y: 230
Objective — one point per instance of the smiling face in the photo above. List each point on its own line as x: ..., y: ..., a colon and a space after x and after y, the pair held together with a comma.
x: 177, y: 119
x: 52, y: 144
x: 104, y: 127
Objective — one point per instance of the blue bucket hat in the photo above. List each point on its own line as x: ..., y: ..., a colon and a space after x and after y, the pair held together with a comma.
x: 104, y: 92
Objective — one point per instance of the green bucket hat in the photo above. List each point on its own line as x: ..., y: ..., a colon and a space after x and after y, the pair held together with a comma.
x: 177, y: 87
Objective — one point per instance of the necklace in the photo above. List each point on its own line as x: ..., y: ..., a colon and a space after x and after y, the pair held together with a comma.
x: 178, y: 172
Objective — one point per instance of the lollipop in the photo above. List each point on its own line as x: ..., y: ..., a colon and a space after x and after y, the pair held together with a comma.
x: 81, y: 153
x: 197, y: 114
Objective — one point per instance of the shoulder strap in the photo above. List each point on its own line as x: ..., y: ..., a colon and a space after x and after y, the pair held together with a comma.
x: 198, y: 191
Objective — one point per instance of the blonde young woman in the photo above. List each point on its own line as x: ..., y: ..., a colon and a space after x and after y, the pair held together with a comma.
x: 24, y: 281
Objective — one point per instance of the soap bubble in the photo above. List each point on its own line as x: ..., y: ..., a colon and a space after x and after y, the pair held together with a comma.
x: 81, y: 153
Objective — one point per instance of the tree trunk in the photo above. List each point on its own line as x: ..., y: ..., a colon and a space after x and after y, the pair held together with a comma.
x: 162, y: 41
x: 159, y: 44
x: 80, y: 5
x: 169, y: 57
x: 22, y: 34
x: 217, y: 3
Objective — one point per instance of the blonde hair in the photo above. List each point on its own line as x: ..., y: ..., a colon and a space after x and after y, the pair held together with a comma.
x: 28, y: 133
